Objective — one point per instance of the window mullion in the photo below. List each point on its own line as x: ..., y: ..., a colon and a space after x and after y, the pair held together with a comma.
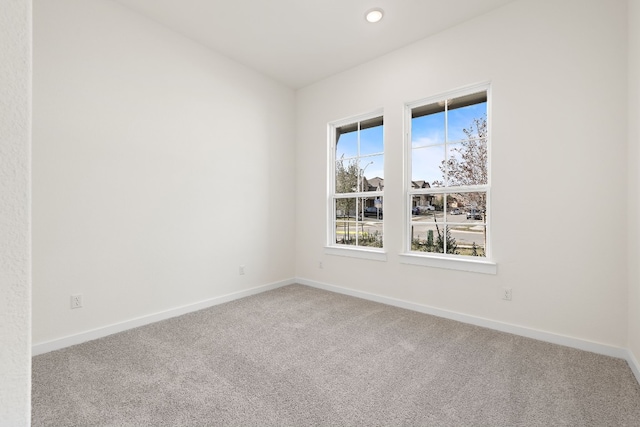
x: 449, y: 190
x: 446, y: 144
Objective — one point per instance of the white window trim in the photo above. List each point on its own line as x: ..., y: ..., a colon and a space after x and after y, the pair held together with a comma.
x: 331, y: 248
x: 356, y: 252
x: 448, y: 261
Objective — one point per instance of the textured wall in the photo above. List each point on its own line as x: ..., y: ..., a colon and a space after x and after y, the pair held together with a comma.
x: 559, y: 166
x: 15, y: 268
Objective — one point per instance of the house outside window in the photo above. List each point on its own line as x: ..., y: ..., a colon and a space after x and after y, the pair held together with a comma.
x: 356, y: 182
x: 448, y: 179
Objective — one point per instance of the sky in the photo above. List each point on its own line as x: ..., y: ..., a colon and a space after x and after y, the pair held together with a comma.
x: 427, y: 139
x: 371, y: 150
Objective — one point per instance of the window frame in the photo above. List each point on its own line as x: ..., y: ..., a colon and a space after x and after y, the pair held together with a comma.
x: 484, y: 264
x: 332, y: 247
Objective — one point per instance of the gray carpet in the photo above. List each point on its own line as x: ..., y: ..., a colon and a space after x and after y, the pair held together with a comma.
x: 299, y: 356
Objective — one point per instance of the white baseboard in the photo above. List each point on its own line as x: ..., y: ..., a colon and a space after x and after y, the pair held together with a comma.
x: 594, y: 347
x: 634, y: 365
x: 93, y: 334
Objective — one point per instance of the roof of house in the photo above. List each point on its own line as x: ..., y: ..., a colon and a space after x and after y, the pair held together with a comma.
x: 420, y: 184
x: 374, y: 184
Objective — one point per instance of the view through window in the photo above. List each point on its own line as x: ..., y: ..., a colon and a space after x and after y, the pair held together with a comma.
x: 449, y: 179
x: 358, y: 183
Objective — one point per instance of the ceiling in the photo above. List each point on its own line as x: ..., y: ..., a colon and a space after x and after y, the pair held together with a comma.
x: 298, y: 42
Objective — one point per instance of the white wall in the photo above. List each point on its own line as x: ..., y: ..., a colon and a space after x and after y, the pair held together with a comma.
x: 634, y: 178
x: 558, y: 73
x: 15, y: 200
x: 159, y: 167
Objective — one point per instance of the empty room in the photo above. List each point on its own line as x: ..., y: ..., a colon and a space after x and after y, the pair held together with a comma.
x: 303, y: 212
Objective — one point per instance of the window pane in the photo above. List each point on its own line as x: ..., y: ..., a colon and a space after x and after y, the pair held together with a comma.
x: 372, y: 171
x: 467, y: 163
x: 467, y: 122
x: 435, y: 237
x: 346, y: 232
x: 455, y: 208
x: 346, y: 144
x: 424, y: 238
x: 371, y: 140
x: 346, y: 209
x: 470, y: 239
x: 347, y: 176
x: 370, y: 209
x: 370, y: 214
x: 427, y: 207
x: 362, y: 229
x: 345, y: 221
x: 426, y: 163
x: 474, y: 207
x: 427, y: 130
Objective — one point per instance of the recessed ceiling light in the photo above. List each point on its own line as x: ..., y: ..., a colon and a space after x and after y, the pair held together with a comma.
x: 374, y: 15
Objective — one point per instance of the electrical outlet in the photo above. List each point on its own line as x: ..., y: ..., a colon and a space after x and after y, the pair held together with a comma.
x: 320, y: 265
x: 76, y: 301
x: 506, y: 294
x: 241, y: 270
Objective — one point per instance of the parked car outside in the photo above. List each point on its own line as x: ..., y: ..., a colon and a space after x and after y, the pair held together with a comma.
x: 426, y: 208
x: 455, y: 211
x: 474, y: 214
x: 415, y: 210
x: 372, y: 211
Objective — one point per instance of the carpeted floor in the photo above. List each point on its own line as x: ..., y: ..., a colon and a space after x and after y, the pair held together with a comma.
x: 299, y: 356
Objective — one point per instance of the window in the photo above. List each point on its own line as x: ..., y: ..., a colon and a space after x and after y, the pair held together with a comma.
x: 356, y: 187
x: 448, y: 182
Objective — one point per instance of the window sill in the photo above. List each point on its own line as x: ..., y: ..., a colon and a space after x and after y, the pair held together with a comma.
x: 472, y: 265
x: 372, y: 254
